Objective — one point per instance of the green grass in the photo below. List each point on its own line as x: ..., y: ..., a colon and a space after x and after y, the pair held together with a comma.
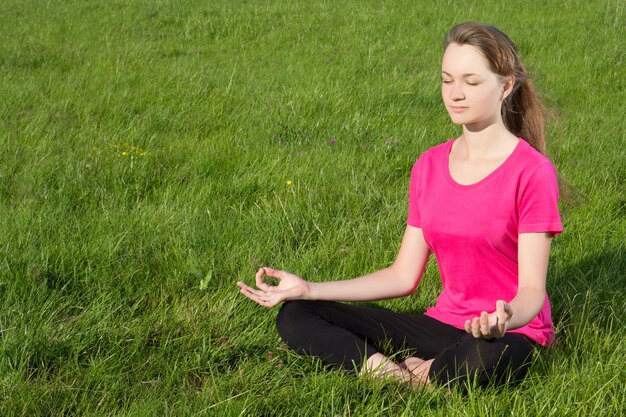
x: 117, y: 271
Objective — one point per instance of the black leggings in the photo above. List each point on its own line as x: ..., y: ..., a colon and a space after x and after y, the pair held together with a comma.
x: 344, y: 335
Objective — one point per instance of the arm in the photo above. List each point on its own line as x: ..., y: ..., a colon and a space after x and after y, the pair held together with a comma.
x: 533, y: 255
x: 399, y: 279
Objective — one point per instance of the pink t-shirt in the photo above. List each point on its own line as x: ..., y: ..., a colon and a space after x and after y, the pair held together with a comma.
x: 473, y: 230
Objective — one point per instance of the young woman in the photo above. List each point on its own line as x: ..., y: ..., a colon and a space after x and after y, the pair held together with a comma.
x: 486, y: 205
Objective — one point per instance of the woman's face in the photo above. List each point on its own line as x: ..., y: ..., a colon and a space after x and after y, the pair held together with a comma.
x: 471, y: 92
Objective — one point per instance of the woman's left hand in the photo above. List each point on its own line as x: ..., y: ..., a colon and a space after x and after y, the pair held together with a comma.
x: 489, y: 326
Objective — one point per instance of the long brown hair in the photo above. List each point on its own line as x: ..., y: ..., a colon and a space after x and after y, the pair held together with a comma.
x: 523, y: 112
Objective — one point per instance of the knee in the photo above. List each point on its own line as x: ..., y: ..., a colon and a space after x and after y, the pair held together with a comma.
x: 468, y: 362
x: 480, y: 362
x: 480, y: 355
x: 290, y: 317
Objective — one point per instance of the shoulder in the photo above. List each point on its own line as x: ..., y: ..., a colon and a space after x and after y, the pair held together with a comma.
x: 531, y: 160
x: 434, y: 153
x: 437, y: 150
x: 537, y: 173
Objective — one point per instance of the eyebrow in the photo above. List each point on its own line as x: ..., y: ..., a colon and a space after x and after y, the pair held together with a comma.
x: 464, y: 75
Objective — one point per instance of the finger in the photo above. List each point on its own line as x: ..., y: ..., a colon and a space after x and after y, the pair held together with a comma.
x: 508, y: 310
x: 468, y: 326
x: 251, y: 290
x: 242, y: 284
x: 476, y: 327
x: 256, y: 298
x: 501, y: 318
x: 259, y: 279
x: 246, y: 292
x: 274, y: 273
x: 484, y: 324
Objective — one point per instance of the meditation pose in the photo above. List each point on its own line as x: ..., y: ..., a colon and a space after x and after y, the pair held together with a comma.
x: 486, y: 205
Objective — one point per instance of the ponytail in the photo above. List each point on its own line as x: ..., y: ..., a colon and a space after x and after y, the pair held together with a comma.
x: 523, y: 112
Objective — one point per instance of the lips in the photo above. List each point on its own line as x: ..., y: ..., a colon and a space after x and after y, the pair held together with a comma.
x: 458, y: 109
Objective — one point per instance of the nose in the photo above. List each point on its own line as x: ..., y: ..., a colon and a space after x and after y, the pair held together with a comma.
x: 456, y: 92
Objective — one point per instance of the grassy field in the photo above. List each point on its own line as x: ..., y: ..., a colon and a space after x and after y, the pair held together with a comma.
x: 155, y: 152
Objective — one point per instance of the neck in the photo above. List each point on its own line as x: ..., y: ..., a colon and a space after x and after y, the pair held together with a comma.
x: 485, y: 142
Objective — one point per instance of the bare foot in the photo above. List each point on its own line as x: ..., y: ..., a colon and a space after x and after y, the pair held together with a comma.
x: 411, y: 363
x: 379, y: 366
x: 418, y: 369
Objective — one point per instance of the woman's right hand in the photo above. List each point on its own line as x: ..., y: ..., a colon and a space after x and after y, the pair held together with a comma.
x: 290, y: 287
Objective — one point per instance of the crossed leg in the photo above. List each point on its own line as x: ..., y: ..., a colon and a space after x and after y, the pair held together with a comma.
x: 355, y: 337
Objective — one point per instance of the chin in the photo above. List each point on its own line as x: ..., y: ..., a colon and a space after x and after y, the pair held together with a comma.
x: 458, y: 119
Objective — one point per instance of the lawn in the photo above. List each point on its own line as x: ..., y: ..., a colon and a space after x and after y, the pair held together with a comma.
x: 155, y: 152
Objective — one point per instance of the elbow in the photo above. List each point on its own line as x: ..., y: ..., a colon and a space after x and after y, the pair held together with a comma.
x: 541, y: 299
x: 411, y: 288
x: 535, y: 298
x: 407, y: 284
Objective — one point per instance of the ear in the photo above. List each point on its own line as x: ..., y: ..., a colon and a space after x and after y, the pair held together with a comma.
x: 507, y: 87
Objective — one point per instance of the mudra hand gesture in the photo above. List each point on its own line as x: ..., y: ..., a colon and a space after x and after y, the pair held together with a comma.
x: 290, y: 287
x: 489, y: 326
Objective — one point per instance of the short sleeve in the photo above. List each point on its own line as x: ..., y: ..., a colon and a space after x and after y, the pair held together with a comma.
x: 413, y: 218
x: 538, y: 202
